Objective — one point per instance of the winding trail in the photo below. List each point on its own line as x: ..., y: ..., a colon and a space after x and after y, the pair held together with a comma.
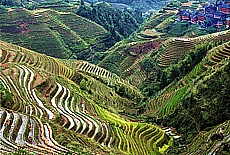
x: 20, y: 75
x: 31, y: 133
x: 78, y: 116
x: 70, y: 112
x: 24, y: 83
x: 47, y: 135
x: 11, y: 81
x: 30, y: 81
x: 4, y: 84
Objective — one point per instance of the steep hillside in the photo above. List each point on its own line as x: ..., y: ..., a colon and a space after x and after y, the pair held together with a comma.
x: 120, y: 23
x: 59, y: 106
x: 57, y: 34
x: 141, y: 62
x: 187, y: 80
x: 197, y: 105
x: 124, y: 59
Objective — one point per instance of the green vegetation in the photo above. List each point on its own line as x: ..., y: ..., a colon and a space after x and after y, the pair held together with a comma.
x: 119, y: 23
x: 6, y: 99
x: 202, y: 103
x: 82, y: 102
x: 174, y: 102
x: 52, y: 33
x: 152, y: 94
x: 175, y: 71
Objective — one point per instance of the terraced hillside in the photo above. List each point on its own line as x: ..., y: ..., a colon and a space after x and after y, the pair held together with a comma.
x: 125, y: 59
x: 191, y: 104
x: 61, y: 34
x: 175, y: 48
x: 58, y: 106
x: 203, y: 143
x: 171, y: 96
x: 150, y: 29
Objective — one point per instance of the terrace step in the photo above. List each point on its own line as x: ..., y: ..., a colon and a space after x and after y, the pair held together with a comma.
x: 175, y: 48
x: 20, y: 139
x: 54, y: 104
x: 3, y: 139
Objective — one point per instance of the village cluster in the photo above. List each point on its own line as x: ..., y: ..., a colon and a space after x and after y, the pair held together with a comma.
x: 215, y: 15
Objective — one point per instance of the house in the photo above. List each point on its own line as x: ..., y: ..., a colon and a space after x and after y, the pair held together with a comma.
x: 219, y: 24
x: 194, y: 19
x: 183, y: 15
x: 227, y: 2
x: 219, y: 15
x: 210, y: 9
x: 224, y: 8
x: 201, y: 23
x: 210, y: 14
x: 219, y: 2
x: 201, y: 10
x: 228, y: 22
x: 201, y: 17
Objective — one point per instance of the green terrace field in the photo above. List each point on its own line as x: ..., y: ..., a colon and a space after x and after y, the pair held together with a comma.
x: 61, y: 6
x: 125, y: 59
x: 53, y: 33
x: 151, y: 28
x: 170, y: 98
x: 196, y: 105
x: 174, y: 49
x: 58, y: 106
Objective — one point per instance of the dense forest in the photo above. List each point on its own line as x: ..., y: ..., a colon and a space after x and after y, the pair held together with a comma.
x: 119, y: 23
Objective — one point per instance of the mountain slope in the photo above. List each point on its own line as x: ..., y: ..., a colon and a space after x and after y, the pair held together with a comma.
x: 57, y: 34
x: 196, y: 105
x: 53, y: 101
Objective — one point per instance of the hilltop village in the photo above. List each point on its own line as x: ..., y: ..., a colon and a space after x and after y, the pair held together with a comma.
x: 216, y: 14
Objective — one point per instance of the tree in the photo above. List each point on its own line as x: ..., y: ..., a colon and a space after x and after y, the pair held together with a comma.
x: 6, y: 99
x: 148, y: 64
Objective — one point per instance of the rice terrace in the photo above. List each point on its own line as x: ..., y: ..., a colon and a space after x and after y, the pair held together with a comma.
x: 114, y: 77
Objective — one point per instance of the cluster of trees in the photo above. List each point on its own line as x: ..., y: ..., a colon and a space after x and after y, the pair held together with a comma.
x: 30, y: 5
x: 205, y: 105
x: 11, y: 2
x: 119, y: 23
x: 6, y: 99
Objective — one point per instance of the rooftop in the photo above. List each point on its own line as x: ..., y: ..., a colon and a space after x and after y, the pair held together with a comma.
x: 224, y: 6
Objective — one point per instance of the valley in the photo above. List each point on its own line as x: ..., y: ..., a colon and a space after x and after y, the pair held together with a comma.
x: 81, y: 78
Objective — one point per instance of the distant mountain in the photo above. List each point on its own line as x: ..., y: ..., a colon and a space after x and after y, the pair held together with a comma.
x: 140, y: 5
